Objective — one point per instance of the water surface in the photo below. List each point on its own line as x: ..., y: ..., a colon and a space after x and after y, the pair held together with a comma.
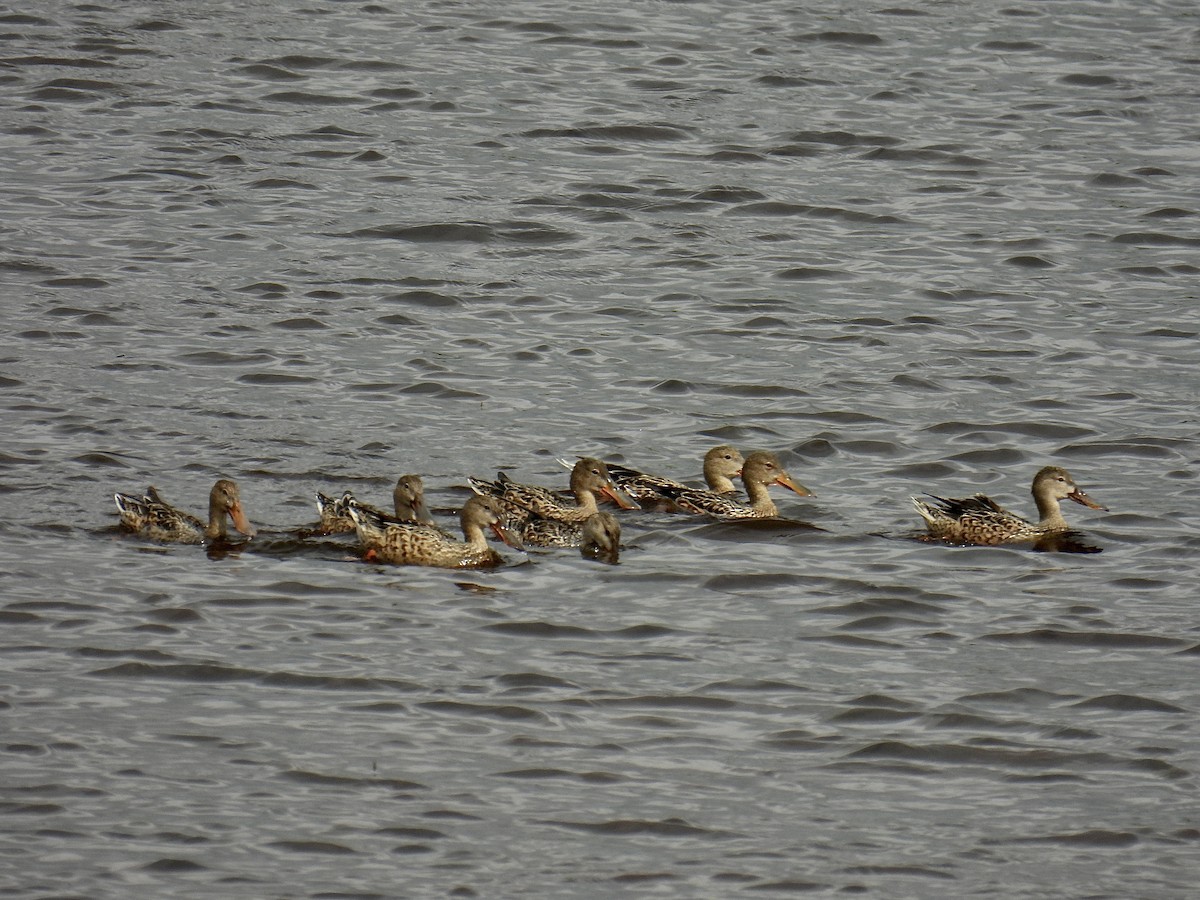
x: 925, y: 248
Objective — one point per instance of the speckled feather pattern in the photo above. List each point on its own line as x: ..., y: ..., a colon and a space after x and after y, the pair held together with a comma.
x: 154, y: 518
x: 411, y: 543
x: 589, y: 477
x: 759, y: 471
x: 980, y: 520
x: 721, y: 464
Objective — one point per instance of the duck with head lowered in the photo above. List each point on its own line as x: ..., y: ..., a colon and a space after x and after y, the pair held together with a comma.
x: 601, y: 538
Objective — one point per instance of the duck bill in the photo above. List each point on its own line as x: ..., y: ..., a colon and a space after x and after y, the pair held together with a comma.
x: 619, y: 497
x: 507, y: 536
x: 422, y: 514
x: 1084, y: 500
x: 240, y: 522
x: 785, y: 481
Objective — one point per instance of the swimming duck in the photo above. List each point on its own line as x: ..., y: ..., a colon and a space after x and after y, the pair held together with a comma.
x: 408, y: 497
x: 759, y: 471
x: 154, y: 518
x: 413, y: 544
x: 538, y: 532
x: 589, y: 477
x: 721, y: 464
x: 601, y: 538
x: 980, y: 520
x: 599, y: 530
x: 335, y: 517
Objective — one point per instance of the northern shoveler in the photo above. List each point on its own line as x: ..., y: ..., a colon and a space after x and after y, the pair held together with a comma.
x: 408, y: 497
x: 980, y: 520
x: 154, y: 518
x: 601, y: 538
x: 589, y: 477
x: 409, y: 543
x: 538, y: 532
x: 599, y: 532
x: 759, y: 471
x: 721, y: 465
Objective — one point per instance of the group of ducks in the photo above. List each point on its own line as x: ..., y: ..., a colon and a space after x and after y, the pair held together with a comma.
x: 530, y: 515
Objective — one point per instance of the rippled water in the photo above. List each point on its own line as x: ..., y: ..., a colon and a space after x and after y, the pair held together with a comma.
x: 922, y: 248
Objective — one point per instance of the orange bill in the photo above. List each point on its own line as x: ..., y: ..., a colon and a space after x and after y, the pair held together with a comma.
x: 421, y: 512
x: 787, y: 482
x: 1084, y: 500
x: 619, y: 497
x: 507, y: 536
x: 240, y: 522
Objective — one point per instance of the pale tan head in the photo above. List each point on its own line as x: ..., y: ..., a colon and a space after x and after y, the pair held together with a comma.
x: 409, y: 499
x: 590, y: 475
x: 225, y: 500
x: 1055, y: 483
x: 480, y: 512
x: 723, y: 462
x: 762, y: 468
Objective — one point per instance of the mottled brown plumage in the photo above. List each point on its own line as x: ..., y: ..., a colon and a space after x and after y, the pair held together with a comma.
x: 389, y: 540
x: 980, y: 520
x: 408, y: 498
x: 721, y: 465
x: 589, y: 477
x: 538, y: 532
x: 152, y: 517
x: 601, y: 538
x: 600, y: 530
x: 760, y: 470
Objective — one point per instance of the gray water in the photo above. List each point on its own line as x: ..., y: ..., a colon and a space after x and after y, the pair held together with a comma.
x: 313, y: 246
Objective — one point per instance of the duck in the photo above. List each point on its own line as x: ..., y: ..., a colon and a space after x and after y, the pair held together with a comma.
x: 538, y: 532
x: 523, y: 502
x: 408, y: 498
x: 599, y: 530
x: 760, y: 470
x: 721, y: 465
x: 601, y: 538
x: 981, y: 520
x: 390, y: 540
x: 154, y: 518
